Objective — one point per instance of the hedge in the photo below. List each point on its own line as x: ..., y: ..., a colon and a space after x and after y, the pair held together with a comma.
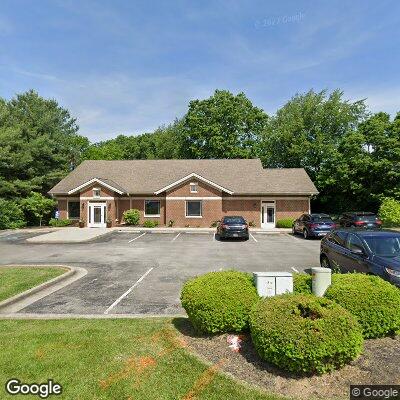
x: 284, y: 223
x: 219, y: 301
x: 372, y: 300
x: 302, y: 283
x: 11, y: 215
x: 60, y: 222
x: 304, y: 334
x: 150, y: 224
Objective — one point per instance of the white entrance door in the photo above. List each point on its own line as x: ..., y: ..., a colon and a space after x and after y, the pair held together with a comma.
x: 267, y: 214
x: 97, y: 215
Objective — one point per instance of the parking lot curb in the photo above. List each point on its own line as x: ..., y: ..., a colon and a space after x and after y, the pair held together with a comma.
x: 36, y: 316
x: 30, y: 296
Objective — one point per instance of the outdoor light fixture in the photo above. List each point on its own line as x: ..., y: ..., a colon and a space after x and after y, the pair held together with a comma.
x: 83, y: 206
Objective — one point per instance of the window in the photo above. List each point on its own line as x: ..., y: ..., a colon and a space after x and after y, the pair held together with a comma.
x: 152, y: 208
x: 96, y: 193
x: 193, y: 209
x: 355, y: 243
x: 193, y: 187
x: 339, y: 238
x: 73, y: 210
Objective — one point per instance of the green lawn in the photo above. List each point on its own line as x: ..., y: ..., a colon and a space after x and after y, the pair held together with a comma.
x: 124, y: 359
x: 14, y: 280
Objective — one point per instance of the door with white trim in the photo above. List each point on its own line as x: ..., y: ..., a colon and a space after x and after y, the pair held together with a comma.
x: 97, y: 215
x: 267, y: 214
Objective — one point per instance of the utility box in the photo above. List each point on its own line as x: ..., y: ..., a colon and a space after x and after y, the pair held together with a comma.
x: 272, y: 283
x: 321, y: 280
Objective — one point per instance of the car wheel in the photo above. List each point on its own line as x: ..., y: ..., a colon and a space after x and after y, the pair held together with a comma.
x: 324, y: 261
x: 293, y: 230
x: 305, y: 234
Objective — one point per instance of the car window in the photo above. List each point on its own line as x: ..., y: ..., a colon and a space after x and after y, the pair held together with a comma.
x: 339, y: 238
x: 234, y: 220
x: 302, y: 217
x: 321, y: 218
x: 354, y: 243
x: 384, y: 246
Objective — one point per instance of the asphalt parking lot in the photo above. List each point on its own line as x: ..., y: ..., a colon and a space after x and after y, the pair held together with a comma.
x: 142, y: 273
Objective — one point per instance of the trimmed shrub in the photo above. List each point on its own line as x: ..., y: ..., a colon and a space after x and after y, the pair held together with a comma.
x: 389, y: 212
x: 304, y: 334
x: 373, y: 301
x: 11, y: 215
x: 284, y: 223
x: 150, y: 224
x: 131, y: 217
x: 219, y: 301
x: 302, y: 283
x: 60, y: 222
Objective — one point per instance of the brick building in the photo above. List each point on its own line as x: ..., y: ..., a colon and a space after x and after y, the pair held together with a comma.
x: 189, y: 192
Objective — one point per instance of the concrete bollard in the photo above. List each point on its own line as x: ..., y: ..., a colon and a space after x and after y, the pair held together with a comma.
x: 272, y: 283
x: 321, y: 280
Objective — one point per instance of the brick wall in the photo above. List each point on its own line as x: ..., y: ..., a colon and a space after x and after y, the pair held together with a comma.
x: 138, y: 204
x: 104, y: 192
x: 291, y: 208
x: 62, y: 207
x: 249, y: 209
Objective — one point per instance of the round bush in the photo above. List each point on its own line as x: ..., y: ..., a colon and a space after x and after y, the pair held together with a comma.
x: 219, y: 301
x: 304, y: 334
x: 373, y: 301
x: 131, y: 217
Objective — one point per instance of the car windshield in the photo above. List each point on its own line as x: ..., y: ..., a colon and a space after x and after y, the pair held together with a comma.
x: 384, y: 246
x: 233, y: 220
x: 321, y: 218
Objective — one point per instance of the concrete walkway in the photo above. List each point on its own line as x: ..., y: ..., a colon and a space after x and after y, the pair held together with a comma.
x: 70, y: 235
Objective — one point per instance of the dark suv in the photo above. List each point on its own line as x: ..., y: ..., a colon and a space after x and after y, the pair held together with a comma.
x: 366, y: 251
x: 366, y: 220
x: 313, y: 225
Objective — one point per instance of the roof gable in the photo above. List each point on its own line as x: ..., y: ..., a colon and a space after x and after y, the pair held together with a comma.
x: 193, y: 175
x: 102, y: 182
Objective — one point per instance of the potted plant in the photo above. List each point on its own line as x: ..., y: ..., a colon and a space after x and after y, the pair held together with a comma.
x: 108, y: 223
x: 81, y: 223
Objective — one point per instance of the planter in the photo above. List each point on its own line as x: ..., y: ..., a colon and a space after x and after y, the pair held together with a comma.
x: 108, y: 224
x: 81, y: 224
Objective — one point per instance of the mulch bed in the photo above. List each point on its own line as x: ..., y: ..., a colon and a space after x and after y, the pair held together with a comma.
x: 378, y: 364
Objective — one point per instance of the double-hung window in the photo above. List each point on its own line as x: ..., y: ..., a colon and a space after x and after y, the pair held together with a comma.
x: 194, y: 209
x: 152, y: 208
x: 193, y: 187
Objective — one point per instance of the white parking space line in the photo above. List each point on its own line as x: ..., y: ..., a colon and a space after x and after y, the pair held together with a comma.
x: 128, y: 291
x: 214, y: 237
x: 295, y: 270
x: 137, y: 237
x: 176, y: 237
x: 253, y: 237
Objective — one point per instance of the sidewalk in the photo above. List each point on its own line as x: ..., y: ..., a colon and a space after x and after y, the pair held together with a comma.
x: 70, y: 235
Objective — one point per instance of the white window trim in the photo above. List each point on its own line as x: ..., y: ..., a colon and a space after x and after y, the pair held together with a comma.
x: 74, y: 218
x: 194, y: 216
x: 151, y: 215
x: 194, y: 185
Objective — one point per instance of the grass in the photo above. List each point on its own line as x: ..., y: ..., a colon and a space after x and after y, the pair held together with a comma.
x: 14, y: 280
x: 124, y: 359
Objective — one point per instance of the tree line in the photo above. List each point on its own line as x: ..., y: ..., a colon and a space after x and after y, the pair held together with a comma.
x: 351, y: 154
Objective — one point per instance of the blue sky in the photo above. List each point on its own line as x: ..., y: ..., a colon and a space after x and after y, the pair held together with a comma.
x: 129, y: 66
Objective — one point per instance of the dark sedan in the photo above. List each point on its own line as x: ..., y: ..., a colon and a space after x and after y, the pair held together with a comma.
x: 371, y: 252
x: 360, y: 219
x: 233, y: 227
x: 313, y: 225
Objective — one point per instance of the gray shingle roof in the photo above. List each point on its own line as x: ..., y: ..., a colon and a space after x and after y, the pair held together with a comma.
x: 147, y: 176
